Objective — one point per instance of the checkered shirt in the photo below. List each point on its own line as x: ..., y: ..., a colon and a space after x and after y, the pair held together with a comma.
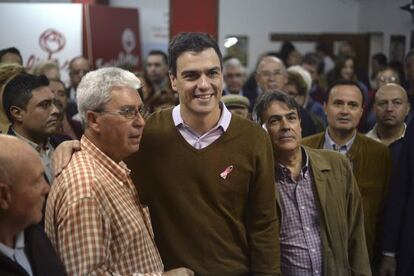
x: 95, y: 221
x: 300, y: 241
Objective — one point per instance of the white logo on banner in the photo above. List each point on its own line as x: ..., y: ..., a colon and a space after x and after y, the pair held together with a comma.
x: 124, y: 60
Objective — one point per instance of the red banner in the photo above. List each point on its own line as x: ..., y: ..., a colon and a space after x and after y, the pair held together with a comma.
x: 112, y: 37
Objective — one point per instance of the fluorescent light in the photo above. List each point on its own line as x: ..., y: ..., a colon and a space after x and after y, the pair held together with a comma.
x: 230, y: 41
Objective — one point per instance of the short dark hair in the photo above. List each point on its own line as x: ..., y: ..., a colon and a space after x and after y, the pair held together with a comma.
x: 191, y: 41
x: 265, y: 99
x: 158, y: 53
x: 19, y: 89
x: 314, y: 60
x: 67, y: 92
x: 344, y: 82
x: 381, y: 59
x: 11, y: 50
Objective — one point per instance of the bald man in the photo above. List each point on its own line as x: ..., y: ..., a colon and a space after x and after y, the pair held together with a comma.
x: 391, y: 106
x: 24, y: 247
x: 270, y: 74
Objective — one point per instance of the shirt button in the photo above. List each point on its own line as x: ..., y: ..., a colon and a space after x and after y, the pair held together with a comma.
x: 313, y: 251
x: 302, y: 207
x: 307, y: 228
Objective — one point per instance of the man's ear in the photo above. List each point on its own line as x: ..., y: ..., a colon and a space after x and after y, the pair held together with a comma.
x: 92, y: 119
x: 5, y: 196
x: 17, y: 113
x: 173, y: 80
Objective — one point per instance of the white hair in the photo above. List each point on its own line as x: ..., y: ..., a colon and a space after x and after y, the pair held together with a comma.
x: 305, y: 75
x: 233, y: 62
x: 95, y: 88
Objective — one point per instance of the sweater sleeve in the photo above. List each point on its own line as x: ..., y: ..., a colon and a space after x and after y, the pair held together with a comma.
x: 262, y: 222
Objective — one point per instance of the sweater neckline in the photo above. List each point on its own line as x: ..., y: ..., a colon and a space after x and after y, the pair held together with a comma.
x: 193, y: 149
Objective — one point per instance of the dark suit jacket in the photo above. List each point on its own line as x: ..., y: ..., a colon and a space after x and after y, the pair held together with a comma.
x: 398, y: 234
x: 372, y: 169
x: 42, y: 257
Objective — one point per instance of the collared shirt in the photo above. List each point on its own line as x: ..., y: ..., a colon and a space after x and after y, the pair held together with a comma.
x: 373, y: 134
x: 45, y: 152
x: 300, y: 241
x: 17, y: 254
x: 195, y: 140
x: 331, y: 145
x: 95, y: 221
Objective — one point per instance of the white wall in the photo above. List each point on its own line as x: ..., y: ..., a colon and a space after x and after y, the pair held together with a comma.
x: 386, y: 16
x: 258, y: 19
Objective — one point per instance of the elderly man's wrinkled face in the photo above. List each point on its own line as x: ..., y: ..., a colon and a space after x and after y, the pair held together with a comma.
x: 121, y: 123
x: 391, y: 105
x: 234, y: 77
x: 283, y: 125
x: 271, y: 74
x: 29, y: 191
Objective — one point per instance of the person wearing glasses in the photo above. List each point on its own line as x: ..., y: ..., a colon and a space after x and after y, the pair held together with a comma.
x: 206, y: 175
x: 94, y: 218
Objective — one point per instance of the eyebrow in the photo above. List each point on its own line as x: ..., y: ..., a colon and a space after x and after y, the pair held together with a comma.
x: 283, y: 115
x: 198, y: 71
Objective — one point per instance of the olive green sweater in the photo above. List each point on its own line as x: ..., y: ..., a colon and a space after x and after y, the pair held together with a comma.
x: 212, y: 225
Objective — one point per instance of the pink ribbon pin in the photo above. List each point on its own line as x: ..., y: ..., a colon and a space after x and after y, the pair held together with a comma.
x: 226, y: 172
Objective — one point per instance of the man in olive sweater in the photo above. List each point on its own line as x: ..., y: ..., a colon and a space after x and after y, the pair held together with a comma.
x: 207, y: 176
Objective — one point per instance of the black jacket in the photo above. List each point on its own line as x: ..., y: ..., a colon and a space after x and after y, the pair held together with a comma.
x: 42, y: 257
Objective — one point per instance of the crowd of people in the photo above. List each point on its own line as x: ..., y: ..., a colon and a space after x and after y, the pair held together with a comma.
x: 194, y: 167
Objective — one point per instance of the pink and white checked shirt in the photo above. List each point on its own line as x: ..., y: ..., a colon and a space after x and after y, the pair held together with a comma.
x: 95, y: 221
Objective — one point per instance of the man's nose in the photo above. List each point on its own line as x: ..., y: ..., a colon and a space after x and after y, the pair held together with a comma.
x: 203, y: 82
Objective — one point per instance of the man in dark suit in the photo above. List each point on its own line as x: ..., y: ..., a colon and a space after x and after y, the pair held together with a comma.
x: 397, y: 240
x: 24, y: 247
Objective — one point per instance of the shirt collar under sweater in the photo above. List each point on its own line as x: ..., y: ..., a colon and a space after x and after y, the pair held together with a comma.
x: 192, y: 137
x: 223, y: 122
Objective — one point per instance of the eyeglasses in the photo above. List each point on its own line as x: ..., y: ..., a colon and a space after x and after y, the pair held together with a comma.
x: 128, y: 113
x: 385, y: 79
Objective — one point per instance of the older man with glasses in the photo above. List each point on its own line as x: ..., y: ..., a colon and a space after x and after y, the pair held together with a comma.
x: 94, y: 218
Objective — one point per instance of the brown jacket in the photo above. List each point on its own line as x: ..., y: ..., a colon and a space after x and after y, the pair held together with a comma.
x: 341, y: 215
x: 372, y: 168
